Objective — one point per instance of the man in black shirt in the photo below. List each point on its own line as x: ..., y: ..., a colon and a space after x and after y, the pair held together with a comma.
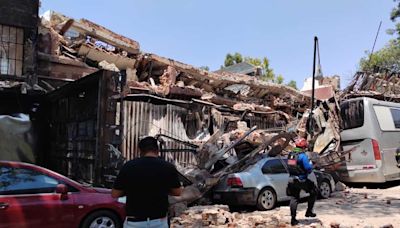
x: 146, y: 182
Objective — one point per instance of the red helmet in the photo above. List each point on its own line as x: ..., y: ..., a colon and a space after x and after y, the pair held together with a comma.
x: 301, y: 142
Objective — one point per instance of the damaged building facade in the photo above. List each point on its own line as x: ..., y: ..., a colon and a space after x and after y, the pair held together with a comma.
x: 99, y: 94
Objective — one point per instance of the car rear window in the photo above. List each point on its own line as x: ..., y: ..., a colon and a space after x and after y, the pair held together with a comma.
x: 352, y: 113
x: 273, y: 167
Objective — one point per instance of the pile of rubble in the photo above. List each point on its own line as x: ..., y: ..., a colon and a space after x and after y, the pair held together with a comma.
x: 220, y: 216
x: 71, y: 49
x: 229, y: 152
x: 382, y: 86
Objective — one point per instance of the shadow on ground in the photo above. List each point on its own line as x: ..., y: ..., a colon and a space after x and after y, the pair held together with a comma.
x: 386, y: 185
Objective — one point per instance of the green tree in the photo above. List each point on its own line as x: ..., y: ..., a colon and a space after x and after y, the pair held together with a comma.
x: 394, y: 15
x: 279, y: 79
x: 292, y: 84
x: 387, y: 58
x: 206, y: 68
x: 232, y: 59
x: 268, y: 72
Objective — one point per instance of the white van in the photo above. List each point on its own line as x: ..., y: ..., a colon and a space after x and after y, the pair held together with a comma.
x: 373, y: 127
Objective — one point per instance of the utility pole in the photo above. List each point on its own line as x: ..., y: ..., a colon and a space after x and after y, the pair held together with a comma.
x: 313, y: 75
x: 310, y: 118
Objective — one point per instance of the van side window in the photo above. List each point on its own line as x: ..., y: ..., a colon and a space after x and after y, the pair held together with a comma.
x: 388, y: 118
x: 352, y: 113
x: 396, y: 117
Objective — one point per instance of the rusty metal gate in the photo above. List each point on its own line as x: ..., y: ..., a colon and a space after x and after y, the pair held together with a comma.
x: 83, y: 125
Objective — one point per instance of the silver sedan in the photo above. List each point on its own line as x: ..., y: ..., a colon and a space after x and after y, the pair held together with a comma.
x: 264, y: 184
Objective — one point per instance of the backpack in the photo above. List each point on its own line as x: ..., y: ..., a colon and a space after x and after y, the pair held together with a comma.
x: 295, y: 168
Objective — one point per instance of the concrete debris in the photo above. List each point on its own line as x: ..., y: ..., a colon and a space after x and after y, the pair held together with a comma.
x: 245, y: 92
x: 252, y: 107
x: 322, y: 129
x: 334, y: 225
x: 85, y: 47
x: 340, y: 186
x: 220, y: 216
x: 85, y: 42
x: 108, y: 66
x: 382, y: 86
x: 227, y: 152
x: 167, y: 79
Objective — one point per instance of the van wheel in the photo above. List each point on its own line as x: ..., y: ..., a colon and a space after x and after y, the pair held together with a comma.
x: 102, y: 218
x: 325, y: 189
x: 266, y: 199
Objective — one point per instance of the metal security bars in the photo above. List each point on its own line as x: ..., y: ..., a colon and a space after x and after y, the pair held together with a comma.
x: 11, y: 50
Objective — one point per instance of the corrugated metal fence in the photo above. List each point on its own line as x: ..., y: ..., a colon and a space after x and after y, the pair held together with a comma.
x: 143, y: 119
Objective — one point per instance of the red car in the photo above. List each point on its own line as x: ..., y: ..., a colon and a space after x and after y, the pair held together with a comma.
x: 32, y: 196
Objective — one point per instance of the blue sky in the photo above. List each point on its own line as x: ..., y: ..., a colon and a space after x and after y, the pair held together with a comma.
x: 202, y: 32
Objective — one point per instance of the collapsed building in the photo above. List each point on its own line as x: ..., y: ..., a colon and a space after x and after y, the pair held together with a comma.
x: 98, y: 94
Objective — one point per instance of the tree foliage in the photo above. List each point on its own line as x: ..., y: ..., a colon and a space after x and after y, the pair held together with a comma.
x: 268, y: 72
x: 394, y: 15
x: 292, y: 84
x: 387, y: 58
x: 279, y: 79
x: 232, y: 59
x: 206, y: 68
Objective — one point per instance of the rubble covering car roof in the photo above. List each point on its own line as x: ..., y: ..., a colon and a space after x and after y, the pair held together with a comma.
x: 381, y: 85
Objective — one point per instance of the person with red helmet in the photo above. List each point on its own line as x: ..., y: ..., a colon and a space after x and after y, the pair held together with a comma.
x: 299, y: 168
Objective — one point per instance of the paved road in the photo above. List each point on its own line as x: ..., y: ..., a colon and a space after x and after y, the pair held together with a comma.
x: 360, y: 208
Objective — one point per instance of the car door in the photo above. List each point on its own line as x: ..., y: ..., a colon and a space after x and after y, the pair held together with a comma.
x: 28, y: 199
x: 276, y: 174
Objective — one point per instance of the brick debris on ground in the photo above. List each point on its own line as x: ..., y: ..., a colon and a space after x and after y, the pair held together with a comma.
x: 366, y: 208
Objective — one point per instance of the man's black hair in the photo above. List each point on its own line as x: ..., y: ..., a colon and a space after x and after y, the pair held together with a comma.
x: 148, y: 144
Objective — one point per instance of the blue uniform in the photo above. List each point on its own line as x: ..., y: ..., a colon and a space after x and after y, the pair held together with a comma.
x: 303, y: 160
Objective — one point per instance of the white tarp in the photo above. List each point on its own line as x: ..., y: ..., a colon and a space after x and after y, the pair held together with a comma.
x: 16, y: 139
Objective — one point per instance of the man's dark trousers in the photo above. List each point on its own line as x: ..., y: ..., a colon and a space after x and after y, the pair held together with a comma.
x: 295, y: 188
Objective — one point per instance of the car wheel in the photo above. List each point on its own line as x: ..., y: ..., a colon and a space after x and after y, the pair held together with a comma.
x: 324, y: 189
x: 266, y: 199
x: 101, y: 219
